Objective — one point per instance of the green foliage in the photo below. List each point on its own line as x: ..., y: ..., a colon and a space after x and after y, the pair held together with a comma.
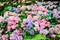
x: 19, y: 25
x: 35, y: 37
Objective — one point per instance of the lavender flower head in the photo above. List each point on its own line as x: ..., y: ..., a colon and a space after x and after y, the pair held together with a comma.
x: 44, y: 31
x: 28, y: 23
x: 15, y: 36
x: 18, y: 10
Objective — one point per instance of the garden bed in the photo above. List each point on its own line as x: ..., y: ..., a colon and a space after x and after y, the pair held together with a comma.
x: 30, y: 21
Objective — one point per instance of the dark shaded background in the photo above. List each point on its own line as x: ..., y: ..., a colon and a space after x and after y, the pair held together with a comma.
x: 51, y: 0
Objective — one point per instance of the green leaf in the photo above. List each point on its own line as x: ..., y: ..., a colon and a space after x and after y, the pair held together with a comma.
x: 58, y: 35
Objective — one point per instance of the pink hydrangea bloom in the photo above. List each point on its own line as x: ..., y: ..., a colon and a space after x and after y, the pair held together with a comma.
x: 15, y: 19
x: 53, y: 6
x: 46, y: 19
x: 14, y: 26
x: 10, y: 13
x: 4, y: 37
x: 8, y: 28
x: 44, y: 24
x: 31, y: 12
x: 28, y: 7
x: 33, y: 8
x: 45, y: 13
x: 39, y: 8
x: 29, y: 17
x: 12, y: 22
x: 53, y: 35
x: 1, y: 19
x: 56, y: 13
x: 1, y: 31
x: 35, y: 17
x: 44, y: 31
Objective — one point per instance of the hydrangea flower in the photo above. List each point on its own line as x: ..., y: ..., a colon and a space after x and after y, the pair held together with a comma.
x: 31, y: 32
x: 53, y: 35
x: 8, y: 13
x: 40, y: 3
x: 4, y: 37
x: 12, y: 9
x: 18, y: 10
x: 29, y: 26
x: 18, y: 32
x: 44, y: 31
x: 15, y: 36
x: 2, y: 19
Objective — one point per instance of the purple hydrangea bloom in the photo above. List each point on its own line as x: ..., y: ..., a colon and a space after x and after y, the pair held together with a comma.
x: 29, y: 23
x: 15, y: 36
x: 20, y: 37
x: 18, y: 10
x: 29, y: 26
x: 31, y: 32
x: 55, y: 2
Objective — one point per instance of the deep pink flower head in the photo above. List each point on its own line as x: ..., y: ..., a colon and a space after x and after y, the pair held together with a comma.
x: 46, y: 19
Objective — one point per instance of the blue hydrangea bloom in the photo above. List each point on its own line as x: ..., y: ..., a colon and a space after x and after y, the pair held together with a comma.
x: 41, y: 3
x: 31, y: 32
x: 12, y: 9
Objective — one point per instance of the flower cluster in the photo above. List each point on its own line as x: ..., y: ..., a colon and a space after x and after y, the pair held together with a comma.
x: 30, y: 19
